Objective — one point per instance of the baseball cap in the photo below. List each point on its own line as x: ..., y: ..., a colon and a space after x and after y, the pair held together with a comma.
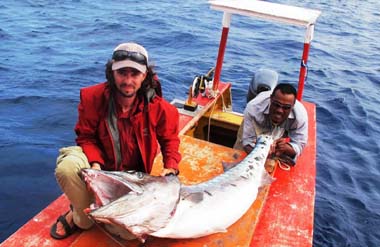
x: 130, y: 55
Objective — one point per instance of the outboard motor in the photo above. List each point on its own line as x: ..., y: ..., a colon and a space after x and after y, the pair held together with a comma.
x: 263, y: 80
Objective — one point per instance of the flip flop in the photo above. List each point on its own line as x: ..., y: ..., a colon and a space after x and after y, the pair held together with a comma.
x: 68, y: 229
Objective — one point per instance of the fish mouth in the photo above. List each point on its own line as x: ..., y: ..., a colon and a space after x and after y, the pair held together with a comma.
x: 133, y: 201
x: 107, y: 187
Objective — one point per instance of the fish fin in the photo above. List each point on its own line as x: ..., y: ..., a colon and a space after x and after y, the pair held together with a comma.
x: 228, y: 165
x: 195, y: 197
x: 266, y: 179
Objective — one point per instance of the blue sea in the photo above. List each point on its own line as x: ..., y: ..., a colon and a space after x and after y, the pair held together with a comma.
x: 51, y: 49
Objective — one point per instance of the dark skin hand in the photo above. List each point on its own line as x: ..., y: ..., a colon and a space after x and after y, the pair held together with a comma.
x: 281, y: 146
x: 248, y: 148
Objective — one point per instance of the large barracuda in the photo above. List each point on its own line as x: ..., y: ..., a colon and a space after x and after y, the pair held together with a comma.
x: 163, y: 207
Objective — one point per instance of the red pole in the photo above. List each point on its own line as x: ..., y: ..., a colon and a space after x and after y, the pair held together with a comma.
x: 303, y: 70
x: 219, y: 61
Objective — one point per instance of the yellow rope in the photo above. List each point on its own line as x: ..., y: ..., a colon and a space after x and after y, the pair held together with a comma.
x: 282, y: 165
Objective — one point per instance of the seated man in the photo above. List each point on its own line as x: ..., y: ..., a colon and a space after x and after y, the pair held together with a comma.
x: 278, y: 114
x: 121, y: 124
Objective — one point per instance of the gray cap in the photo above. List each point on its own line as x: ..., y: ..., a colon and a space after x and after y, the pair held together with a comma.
x: 263, y: 80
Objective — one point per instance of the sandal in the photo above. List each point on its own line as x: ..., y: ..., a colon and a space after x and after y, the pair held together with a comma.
x: 68, y: 229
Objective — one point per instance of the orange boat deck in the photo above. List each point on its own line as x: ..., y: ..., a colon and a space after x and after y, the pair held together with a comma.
x: 282, y: 215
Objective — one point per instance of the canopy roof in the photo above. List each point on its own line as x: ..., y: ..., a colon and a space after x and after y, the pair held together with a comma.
x: 269, y: 11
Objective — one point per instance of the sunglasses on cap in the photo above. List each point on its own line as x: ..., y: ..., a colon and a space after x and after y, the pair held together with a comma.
x: 129, y: 55
x: 277, y: 104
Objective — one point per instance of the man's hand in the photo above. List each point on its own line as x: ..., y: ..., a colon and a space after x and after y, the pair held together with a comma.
x: 282, y: 146
x: 96, y: 166
x: 248, y: 148
x: 168, y: 171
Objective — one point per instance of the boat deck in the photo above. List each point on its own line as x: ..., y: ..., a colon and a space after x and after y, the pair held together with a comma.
x: 282, y: 215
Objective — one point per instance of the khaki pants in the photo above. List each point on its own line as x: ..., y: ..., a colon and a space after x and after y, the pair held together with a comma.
x: 68, y: 174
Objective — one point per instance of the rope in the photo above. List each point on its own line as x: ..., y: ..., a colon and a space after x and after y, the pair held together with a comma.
x: 283, y: 166
x: 209, y: 121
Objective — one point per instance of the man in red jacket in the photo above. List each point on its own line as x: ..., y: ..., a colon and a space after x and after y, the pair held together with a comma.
x: 121, y: 125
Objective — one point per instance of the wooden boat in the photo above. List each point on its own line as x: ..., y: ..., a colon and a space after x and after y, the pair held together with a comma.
x: 283, y: 212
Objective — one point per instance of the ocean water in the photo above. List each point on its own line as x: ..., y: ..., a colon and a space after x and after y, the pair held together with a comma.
x: 50, y: 49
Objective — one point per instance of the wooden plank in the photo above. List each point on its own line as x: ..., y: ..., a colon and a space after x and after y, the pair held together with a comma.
x: 228, y: 117
x: 288, y: 216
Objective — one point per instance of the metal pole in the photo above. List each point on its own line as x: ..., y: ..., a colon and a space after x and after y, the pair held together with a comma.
x: 222, y: 48
x: 305, y: 56
x: 303, y: 71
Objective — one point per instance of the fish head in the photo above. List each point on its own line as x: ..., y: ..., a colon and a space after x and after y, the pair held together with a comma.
x: 135, y: 201
x: 109, y: 186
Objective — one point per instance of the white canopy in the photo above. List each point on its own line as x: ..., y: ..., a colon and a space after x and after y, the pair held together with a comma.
x: 266, y: 10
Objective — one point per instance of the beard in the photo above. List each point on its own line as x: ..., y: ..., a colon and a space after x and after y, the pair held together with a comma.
x: 126, y: 90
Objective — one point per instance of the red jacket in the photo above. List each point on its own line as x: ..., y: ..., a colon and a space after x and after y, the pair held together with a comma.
x: 94, y: 136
